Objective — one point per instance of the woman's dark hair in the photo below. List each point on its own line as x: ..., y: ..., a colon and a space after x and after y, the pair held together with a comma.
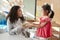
x: 48, y: 7
x: 13, y: 16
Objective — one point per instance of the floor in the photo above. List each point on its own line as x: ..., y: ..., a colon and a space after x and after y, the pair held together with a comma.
x: 6, y: 36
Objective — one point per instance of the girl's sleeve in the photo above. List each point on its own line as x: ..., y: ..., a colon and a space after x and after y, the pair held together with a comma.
x: 47, y: 19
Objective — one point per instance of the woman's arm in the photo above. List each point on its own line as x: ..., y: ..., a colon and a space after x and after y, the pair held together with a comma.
x: 10, y: 27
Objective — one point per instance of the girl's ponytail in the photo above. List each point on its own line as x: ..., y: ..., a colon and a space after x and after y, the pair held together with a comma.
x: 51, y: 14
x: 50, y: 11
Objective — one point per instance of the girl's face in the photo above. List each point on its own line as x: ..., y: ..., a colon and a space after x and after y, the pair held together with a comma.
x: 45, y: 12
x: 19, y: 12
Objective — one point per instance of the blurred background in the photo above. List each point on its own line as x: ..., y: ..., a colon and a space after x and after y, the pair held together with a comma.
x: 31, y: 10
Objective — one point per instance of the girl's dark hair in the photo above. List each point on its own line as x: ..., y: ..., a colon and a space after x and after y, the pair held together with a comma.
x: 48, y: 7
x: 13, y: 17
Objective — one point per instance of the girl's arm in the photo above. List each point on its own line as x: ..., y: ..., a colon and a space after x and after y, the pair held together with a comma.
x: 26, y: 24
x: 46, y: 20
x: 42, y: 24
x: 39, y: 25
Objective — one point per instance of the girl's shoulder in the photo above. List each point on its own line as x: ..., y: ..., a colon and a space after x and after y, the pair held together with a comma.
x: 46, y: 18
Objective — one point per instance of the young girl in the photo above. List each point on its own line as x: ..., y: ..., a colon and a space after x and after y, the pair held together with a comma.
x: 15, y: 20
x: 44, y: 30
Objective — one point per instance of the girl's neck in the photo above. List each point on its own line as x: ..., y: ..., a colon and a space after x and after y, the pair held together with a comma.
x: 45, y: 15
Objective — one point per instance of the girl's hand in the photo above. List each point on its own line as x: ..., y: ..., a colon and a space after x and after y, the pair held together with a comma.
x: 27, y: 25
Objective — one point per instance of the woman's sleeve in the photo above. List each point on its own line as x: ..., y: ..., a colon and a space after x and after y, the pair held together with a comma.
x: 9, y: 25
x: 12, y: 30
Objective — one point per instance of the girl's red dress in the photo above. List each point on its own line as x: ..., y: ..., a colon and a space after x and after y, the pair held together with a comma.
x: 45, y: 31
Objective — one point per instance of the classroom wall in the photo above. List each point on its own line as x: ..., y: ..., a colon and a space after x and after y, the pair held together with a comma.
x: 56, y: 8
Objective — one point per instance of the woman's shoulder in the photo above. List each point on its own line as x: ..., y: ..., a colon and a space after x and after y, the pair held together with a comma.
x: 8, y: 20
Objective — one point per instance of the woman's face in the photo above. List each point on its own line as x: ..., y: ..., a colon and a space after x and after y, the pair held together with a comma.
x: 19, y: 12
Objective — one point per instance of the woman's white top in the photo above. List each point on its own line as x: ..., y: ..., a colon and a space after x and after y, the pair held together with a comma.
x: 17, y: 26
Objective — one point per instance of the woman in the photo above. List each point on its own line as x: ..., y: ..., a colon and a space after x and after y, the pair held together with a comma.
x: 14, y: 20
x: 44, y: 30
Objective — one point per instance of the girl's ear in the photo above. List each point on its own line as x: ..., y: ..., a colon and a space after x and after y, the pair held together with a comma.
x: 47, y: 11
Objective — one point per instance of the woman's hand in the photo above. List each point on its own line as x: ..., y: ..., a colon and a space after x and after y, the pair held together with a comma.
x: 27, y: 25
